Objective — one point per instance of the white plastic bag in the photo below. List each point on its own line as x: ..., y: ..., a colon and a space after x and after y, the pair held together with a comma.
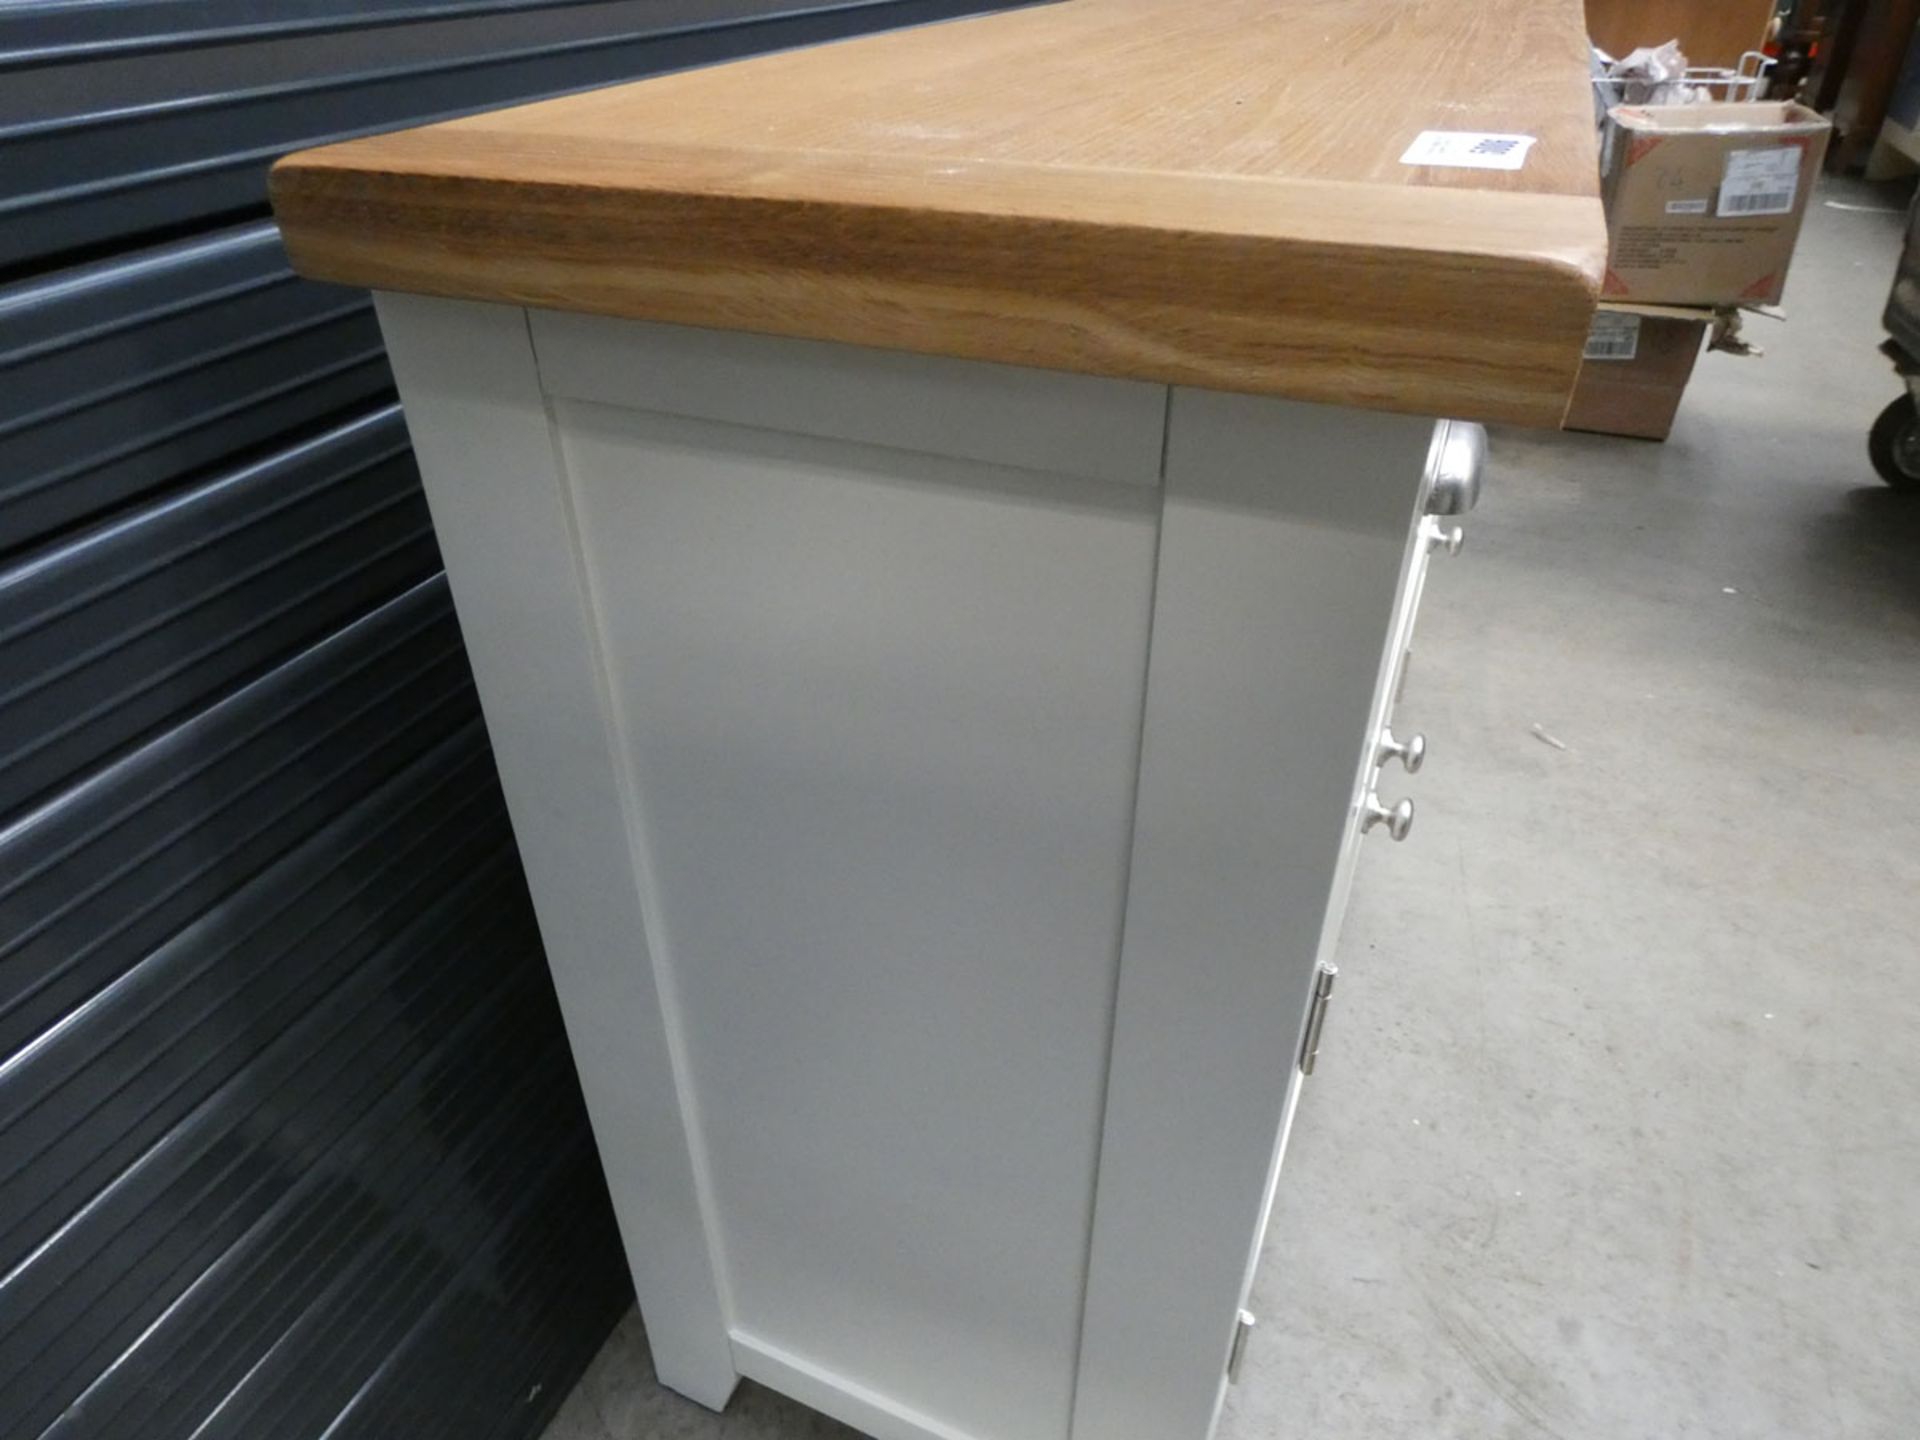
x: 1651, y: 75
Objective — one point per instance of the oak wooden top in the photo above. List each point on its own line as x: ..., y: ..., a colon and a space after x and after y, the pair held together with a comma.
x: 1203, y: 192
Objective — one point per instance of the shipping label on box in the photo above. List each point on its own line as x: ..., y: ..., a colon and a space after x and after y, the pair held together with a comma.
x: 1760, y: 182
x: 1635, y: 372
x: 1613, y: 337
x: 1704, y: 202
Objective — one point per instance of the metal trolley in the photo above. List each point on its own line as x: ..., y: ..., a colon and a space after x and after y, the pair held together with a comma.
x: 1894, y: 441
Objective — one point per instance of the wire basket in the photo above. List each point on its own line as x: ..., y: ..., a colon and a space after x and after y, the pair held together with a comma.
x: 1743, y: 81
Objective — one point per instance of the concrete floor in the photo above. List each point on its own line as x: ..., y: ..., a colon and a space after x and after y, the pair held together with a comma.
x: 1617, y: 1126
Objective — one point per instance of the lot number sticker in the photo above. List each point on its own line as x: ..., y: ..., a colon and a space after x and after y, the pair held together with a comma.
x: 1469, y: 150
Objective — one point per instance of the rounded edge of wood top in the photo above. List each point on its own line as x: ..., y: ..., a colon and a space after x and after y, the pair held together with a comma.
x: 1391, y: 315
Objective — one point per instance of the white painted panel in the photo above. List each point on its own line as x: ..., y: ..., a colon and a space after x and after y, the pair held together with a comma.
x: 480, y: 429
x: 883, y: 714
x: 1283, y: 551
x: 1086, y: 425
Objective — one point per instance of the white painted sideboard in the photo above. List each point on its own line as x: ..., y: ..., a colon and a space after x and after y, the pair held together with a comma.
x: 940, y: 783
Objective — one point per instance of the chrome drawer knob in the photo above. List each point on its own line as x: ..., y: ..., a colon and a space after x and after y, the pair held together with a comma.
x: 1398, y: 820
x: 1445, y: 537
x: 1410, y: 752
x: 1458, y: 458
x: 1237, y: 1354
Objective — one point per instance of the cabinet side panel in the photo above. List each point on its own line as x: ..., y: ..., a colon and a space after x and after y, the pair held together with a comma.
x: 472, y: 400
x: 1282, y: 552
x: 882, y: 711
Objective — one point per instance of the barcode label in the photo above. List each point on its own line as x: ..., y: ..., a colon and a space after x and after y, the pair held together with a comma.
x: 1613, y: 337
x: 1760, y: 182
x: 1777, y: 202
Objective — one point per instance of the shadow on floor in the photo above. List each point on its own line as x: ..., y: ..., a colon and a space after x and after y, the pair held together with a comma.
x: 1869, y: 538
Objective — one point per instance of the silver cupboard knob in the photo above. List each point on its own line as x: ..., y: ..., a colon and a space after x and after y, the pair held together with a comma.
x: 1398, y: 820
x: 1458, y: 457
x: 1445, y: 537
x: 1410, y: 752
x: 1236, y: 1356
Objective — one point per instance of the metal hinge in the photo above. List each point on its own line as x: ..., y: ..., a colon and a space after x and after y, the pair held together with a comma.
x: 1317, y: 1017
x: 1241, y: 1330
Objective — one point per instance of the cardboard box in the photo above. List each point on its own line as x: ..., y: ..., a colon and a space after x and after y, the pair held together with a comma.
x: 1704, y: 202
x: 1635, y: 370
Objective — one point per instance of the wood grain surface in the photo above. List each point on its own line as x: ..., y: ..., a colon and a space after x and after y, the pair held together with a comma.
x: 1711, y: 32
x: 1206, y: 194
